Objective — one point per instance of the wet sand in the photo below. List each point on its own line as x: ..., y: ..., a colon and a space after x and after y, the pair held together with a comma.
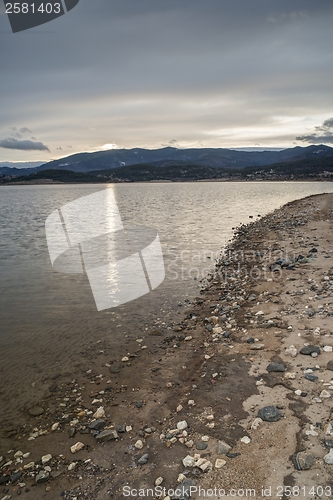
x: 200, y: 383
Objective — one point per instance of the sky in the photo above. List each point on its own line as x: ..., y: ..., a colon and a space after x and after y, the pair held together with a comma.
x: 154, y: 73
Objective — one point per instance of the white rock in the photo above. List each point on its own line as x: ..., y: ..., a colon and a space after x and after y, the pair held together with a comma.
x: 327, y: 348
x: 256, y: 422
x: 77, y: 447
x: 291, y: 351
x: 139, y: 444
x: 55, y: 426
x: 210, y: 417
x: 246, y: 440
x: 259, y: 313
x: 99, y: 413
x: 290, y: 375
x: 329, y: 457
x: 206, y: 466
x: 30, y: 465
x: 179, y: 408
x: 328, y: 429
x: 189, y: 443
x: 191, y: 402
x: 325, y: 394
x: 181, y: 478
x: 46, y: 458
x: 71, y: 466
x: 182, y: 425
x: 205, y: 439
x: 188, y: 338
x: 219, y: 463
x: 125, y: 358
x: 188, y: 461
x: 18, y: 454
x: 159, y: 481
x: 128, y: 428
x: 298, y: 392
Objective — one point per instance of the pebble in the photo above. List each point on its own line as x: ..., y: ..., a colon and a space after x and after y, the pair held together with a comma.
x: 246, y: 440
x: 46, y: 458
x: 328, y: 459
x: 290, y: 376
x: 107, y: 435
x: 189, y: 443
x: 182, y: 425
x: 201, y: 446
x: 188, y: 461
x: 42, y: 477
x: 257, y: 347
x: 223, y: 448
x: 269, y: 414
x: 219, y: 463
x: 291, y: 351
x: 329, y: 365
x: 55, y: 426
x: 71, y: 466
x: 159, y: 481
x: 311, y: 377
x: 276, y: 367
x: 303, y: 460
x: 97, y: 425
x: 205, y: 439
x: 325, y: 394
x: 36, y: 411
x: 256, y: 422
x: 139, y: 444
x: 99, y: 413
x: 144, y: 459
x: 77, y: 447
x: 309, y: 349
x: 327, y: 348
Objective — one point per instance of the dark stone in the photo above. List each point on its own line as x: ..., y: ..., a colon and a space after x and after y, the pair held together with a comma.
x: 329, y: 365
x: 71, y: 432
x: 121, y: 429
x: 328, y: 443
x: 313, y: 250
x: 183, y: 491
x: 53, y: 387
x: 304, y: 394
x: 250, y: 341
x: 15, y: 477
x: 311, y: 377
x: 201, y: 446
x: 309, y: 349
x: 233, y: 455
x: 269, y: 414
x: 144, y: 459
x: 302, y: 460
x: 276, y: 367
x: 309, y: 313
x: 155, y: 333
x: 139, y: 404
x: 181, y: 337
x: 97, y: 425
x: 4, y: 479
x: 107, y: 435
x: 36, y: 411
x: 226, y: 335
x: 114, y: 369
x: 209, y: 328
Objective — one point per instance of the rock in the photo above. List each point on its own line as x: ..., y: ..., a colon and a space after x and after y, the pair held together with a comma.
x: 276, y: 367
x: 269, y: 414
x: 255, y: 424
x: 107, y: 435
x: 42, y: 477
x: 139, y: 444
x: 77, y: 447
x: 325, y: 394
x: 205, y: 439
x: 291, y: 351
x: 97, y: 425
x: 328, y: 443
x: 15, y: 477
x: 46, y: 458
x: 181, y: 478
x: 201, y: 446
x: 36, y: 411
x: 144, y: 459
x: 159, y: 481
x: 327, y: 348
x: 188, y: 461
x: 309, y: 349
x: 311, y: 377
x: 328, y: 459
x: 223, y: 448
x: 329, y: 365
x: 139, y: 404
x: 181, y: 426
x: 71, y: 466
x: 257, y: 347
x: 99, y: 413
x: 246, y: 440
x: 182, y: 491
x: 303, y: 460
x: 219, y: 463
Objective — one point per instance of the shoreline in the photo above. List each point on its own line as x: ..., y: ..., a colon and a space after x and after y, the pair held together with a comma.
x: 209, y: 371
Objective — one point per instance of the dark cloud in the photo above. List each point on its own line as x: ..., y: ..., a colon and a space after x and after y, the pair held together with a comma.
x: 26, y: 145
x: 323, y: 134
x: 25, y: 130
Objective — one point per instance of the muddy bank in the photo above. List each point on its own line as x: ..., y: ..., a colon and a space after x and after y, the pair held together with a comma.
x: 182, y: 405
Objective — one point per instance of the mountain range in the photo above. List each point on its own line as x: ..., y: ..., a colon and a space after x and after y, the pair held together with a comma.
x: 214, y: 158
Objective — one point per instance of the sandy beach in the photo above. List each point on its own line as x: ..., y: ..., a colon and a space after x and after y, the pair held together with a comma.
x: 234, y: 400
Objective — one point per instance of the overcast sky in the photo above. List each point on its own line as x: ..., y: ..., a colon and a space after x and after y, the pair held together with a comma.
x: 148, y: 73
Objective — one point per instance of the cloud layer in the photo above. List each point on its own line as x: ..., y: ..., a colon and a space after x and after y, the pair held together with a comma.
x: 323, y: 134
x: 24, y: 145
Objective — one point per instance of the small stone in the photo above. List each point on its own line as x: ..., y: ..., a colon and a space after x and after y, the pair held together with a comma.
x: 179, y: 408
x: 42, y: 477
x: 139, y: 444
x: 189, y: 443
x: 255, y: 424
x: 36, y: 411
x: 191, y: 402
x: 71, y: 466
x: 108, y: 435
x: 291, y: 351
x: 201, y: 446
x: 309, y: 349
x: 55, y: 426
x: 246, y: 440
x: 206, y: 466
x: 257, y: 347
x: 97, y: 425
x: 182, y: 425
x: 159, y: 481
x: 46, y: 458
x: 276, y: 367
x: 303, y: 460
x: 325, y: 394
x: 328, y: 459
x: 219, y: 463
x: 205, y: 439
x: 311, y: 377
x: 77, y: 447
x: 181, y: 478
x: 18, y: 454
x: 269, y: 414
x: 30, y: 465
x: 99, y: 413
x: 144, y: 459
x: 223, y: 448
x: 188, y: 461
x: 290, y: 375
x: 327, y: 348
x: 329, y: 365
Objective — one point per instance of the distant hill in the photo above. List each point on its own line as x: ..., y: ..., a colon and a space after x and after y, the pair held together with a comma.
x: 314, y: 168
x: 205, y: 157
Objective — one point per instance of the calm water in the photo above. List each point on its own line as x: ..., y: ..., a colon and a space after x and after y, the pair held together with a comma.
x: 46, y: 316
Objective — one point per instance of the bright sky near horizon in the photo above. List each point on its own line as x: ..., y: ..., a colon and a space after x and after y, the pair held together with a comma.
x: 154, y: 73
